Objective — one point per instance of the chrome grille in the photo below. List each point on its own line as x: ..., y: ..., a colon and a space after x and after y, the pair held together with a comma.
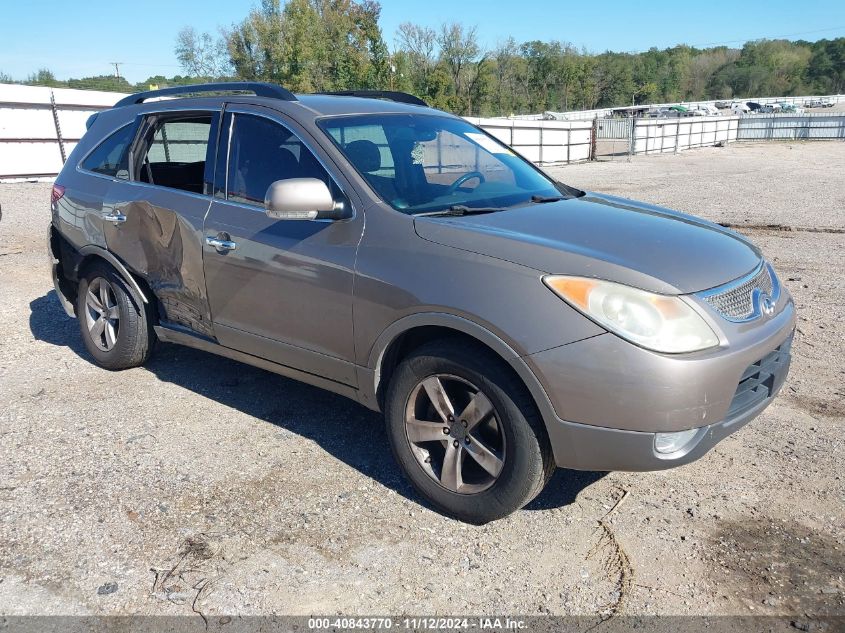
x: 738, y: 302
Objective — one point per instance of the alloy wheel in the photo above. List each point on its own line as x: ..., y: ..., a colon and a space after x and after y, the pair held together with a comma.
x: 455, y: 434
x: 102, y: 315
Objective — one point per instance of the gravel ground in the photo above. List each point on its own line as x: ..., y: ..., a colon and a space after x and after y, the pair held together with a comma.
x: 197, y: 484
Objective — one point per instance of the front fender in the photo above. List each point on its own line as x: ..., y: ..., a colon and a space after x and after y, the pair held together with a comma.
x: 369, y: 377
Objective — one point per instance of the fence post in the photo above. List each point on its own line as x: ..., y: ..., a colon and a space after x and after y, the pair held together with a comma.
x: 58, y: 127
x: 632, y: 136
x: 677, y: 134
x: 541, y: 143
x: 593, y: 135
x: 568, y: 142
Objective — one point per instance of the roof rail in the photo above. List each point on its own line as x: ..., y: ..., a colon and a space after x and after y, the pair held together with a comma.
x: 258, y: 88
x: 390, y: 95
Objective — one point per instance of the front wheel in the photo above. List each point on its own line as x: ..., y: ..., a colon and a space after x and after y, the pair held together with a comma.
x: 465, y: 431
x: 116, y: 331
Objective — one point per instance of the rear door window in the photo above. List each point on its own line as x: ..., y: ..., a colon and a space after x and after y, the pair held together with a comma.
x: 174, y: 151
x: 110, y: 158
x: 180, y: 141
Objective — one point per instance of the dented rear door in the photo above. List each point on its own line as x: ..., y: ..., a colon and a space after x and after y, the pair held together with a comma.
x: 156, y: 229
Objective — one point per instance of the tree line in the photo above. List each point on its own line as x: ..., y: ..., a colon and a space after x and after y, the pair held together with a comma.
x: 328, y: 45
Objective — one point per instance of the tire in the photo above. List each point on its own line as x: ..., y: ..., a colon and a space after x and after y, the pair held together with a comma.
x: 120, y: 341
x: 512, y: 431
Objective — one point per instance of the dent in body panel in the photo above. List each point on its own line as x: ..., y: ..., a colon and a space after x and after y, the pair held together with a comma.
x: 161, y: 240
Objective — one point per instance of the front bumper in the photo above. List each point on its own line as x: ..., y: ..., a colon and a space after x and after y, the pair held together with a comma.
x: 610, y: 398
x: 586, y: 447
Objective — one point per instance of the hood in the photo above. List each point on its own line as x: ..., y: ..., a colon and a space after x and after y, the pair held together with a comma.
x: 604, y: 237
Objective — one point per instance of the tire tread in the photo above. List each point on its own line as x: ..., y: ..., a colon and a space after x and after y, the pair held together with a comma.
x: 136, y: 337
x: 495, y: 371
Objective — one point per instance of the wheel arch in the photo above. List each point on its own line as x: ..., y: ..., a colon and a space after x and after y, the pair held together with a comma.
x: 69, y: 264
x: 91, y: 253
x: 408, y: 333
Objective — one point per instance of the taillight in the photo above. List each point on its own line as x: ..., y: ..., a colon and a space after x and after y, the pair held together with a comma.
x: 57, y: 193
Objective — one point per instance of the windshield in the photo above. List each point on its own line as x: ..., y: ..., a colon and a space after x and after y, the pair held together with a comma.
x: 425, y: 163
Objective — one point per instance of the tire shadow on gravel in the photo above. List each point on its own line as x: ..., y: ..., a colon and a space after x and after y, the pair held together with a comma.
x: 563, y: 488
x: 49, y: 323
x: 348, y: 431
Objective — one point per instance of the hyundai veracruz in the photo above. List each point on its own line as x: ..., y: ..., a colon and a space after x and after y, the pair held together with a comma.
x: 503, y: 322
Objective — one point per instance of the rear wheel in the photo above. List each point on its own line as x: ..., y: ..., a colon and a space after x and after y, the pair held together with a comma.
x: 465, y: 431
x: 116, y: 330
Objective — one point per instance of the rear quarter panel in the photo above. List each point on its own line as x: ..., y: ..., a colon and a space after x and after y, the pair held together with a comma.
x: 78, y: 214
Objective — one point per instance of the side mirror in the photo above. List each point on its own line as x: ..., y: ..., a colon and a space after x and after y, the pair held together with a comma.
x: 302, y: 199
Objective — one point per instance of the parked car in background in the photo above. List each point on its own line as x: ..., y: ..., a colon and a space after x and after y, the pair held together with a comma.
x: 723, y: 105
x: 753, y: 106
x: 819, y: 103
x: 738, y: 107
x: 790, y: 108
x: 504, y: 322
x: 705, y: 109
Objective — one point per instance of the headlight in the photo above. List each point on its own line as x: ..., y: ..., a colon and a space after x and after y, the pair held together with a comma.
x: 661, y: 323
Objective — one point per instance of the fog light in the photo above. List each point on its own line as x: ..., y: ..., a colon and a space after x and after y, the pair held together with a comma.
x: 671, y: 442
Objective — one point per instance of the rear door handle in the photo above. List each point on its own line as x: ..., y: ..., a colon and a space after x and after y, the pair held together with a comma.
x: 221, y: 244
x: 115, y: 217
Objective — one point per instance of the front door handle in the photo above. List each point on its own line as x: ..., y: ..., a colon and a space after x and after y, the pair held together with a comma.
x: 221, y: 243
x: 115, y: 217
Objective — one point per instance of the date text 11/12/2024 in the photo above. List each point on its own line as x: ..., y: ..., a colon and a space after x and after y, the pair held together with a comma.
x: 417, y: 623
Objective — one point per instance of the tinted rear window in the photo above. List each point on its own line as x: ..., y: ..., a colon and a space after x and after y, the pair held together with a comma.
x: 110, y: 158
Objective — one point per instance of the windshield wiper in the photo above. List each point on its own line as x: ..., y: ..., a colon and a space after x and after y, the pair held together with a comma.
x: 459, y: 209
x: 542, y: 199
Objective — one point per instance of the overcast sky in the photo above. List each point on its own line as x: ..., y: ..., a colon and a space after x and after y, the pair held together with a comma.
x: 76, y: 39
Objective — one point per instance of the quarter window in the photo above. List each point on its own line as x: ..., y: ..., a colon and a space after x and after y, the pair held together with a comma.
x: 263, y: 151
x: 110, y: 158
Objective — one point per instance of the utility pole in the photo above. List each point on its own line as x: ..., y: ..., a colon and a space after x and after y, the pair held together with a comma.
x: 116, y: 68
